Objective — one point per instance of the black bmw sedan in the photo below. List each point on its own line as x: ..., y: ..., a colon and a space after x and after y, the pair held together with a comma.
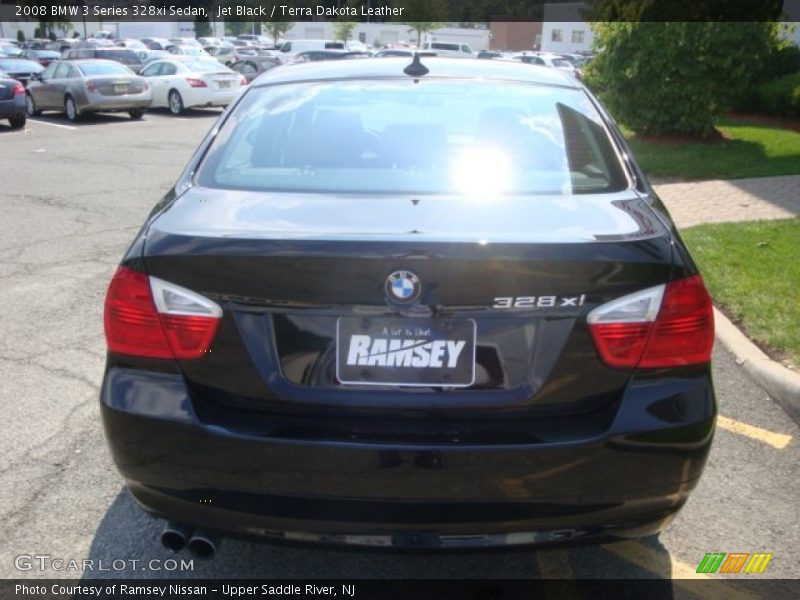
x: 412, y: 303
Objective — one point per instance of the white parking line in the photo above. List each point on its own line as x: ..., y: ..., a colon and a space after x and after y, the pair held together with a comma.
x: 51, y: 124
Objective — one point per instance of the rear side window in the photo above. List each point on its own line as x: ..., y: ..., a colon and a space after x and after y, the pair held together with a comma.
x: 96, y: 69
x: 430, y: 137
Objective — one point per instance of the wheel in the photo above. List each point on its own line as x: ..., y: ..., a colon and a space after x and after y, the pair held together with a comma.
x: 71, y: 109
x: 176, y: 103
x: 17, y: 122
x: 30, y: 106
x: 136, y: 114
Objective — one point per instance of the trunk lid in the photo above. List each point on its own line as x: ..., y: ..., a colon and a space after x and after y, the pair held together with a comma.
x: 289, y: 269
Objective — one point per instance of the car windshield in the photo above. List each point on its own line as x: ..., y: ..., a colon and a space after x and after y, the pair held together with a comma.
x: 103, y: 68
x: 204, y: 66
x: 126, y: 57
x: 20, y: 66
x: 192, y: 50
x: 422, y: 137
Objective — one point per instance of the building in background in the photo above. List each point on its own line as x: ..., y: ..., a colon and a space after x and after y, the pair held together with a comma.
x: 564, y: 29
x: 516, y: 36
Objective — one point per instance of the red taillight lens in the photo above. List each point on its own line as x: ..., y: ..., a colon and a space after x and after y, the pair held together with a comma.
x: 132, y: 323
x: 629, y: 333
x: 19, y: 89
x: 90, y: 86
x: 684, y: 330
x: 243, y: 81
x: 196, y: 83
x: 137, y: 324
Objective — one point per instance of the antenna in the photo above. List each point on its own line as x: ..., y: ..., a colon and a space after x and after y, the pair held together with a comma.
x: 416, y: 68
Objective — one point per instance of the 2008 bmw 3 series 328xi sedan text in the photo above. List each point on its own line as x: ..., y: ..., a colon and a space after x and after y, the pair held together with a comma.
x: 424, y: 304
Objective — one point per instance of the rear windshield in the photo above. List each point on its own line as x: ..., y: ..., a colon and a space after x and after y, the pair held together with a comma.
x: 430, y: 137
x: 126, y: 57
x: 103, y: 68
x: 205, y: 66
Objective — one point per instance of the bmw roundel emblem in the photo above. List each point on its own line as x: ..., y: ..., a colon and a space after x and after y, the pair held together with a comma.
x: 403, y: 286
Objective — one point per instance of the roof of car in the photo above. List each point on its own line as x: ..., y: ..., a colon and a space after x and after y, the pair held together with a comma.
x: 438, y: 67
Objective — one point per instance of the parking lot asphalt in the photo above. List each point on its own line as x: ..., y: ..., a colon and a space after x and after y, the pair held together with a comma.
x: 72, y: 197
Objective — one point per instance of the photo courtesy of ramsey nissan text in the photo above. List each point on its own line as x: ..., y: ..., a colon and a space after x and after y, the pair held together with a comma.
x: 400, y: 299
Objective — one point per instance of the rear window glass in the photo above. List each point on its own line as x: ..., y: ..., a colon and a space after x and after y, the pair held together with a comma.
x: 126, y: 57
x: 204, y: 66
x: 103, y: 68
x: 398, y: 136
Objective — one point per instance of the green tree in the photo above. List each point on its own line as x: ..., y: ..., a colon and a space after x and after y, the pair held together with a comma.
x: 343, y: 30
x: 679, y: 77
x: 276, y: 29
x: 423, y: 15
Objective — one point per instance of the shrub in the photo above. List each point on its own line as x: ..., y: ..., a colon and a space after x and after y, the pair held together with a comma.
x: 679, y: 77
x: 781, y: 97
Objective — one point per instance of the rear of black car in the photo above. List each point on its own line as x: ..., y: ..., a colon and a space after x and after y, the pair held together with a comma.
x: 391, y: 311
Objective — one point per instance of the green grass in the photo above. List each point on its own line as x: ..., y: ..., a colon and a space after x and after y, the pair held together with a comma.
x: 753, y: 272
x: 754, y: 150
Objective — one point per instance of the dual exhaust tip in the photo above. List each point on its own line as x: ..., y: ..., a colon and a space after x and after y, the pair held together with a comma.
x: 177, y: 536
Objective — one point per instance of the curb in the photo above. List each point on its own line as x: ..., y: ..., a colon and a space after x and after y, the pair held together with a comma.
x: 779, y: 382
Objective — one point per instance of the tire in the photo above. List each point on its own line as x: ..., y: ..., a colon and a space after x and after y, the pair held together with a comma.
x: 136, y: 114
x: 71, y: 109
x: 18, y: 121
x: 30, y: 106
x: 175, y: 102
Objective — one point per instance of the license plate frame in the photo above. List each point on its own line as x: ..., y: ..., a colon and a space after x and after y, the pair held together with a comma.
x: 120, y: 88
x: 436, y: 341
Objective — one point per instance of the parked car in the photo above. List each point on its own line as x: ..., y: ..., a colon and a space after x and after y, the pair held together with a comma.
x: 293, y: 47
x: 186, y: 82
x: 131, y: 44
x: 490, y: 54
x: 395, y: 52
x: 148, y: 56
x: 124, y: 56
x: 79, y: 87
x: 43, y: 57
x: 20, y: 69
x: 250, y: 68
x: 228, y: 55
x: 426, y: 304
x: 317, y: 55
x: 188, y: 50
x: 12, y: 101
x: 554, y: 61
x: 451, y: 49
x: 156, y: 43
x: 11, y: 50
x: 184, y: 41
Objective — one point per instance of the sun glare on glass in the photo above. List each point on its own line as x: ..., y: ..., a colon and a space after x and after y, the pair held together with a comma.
x: 481, y: 172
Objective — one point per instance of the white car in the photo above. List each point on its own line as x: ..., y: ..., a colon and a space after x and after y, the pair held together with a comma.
x: 188, y: 50
x: 181, y: 83
x: 554, y: 61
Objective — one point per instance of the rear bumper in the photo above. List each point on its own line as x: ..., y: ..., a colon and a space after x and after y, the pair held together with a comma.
x: 209, y: 97
x: 13, y: 107
x: 100, y: 103
x: 628, y: 482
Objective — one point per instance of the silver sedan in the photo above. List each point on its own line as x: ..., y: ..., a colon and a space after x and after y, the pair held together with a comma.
x: 78, y: 87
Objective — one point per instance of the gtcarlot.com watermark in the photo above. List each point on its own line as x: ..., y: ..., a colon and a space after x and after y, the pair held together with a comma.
x: 48, y: 562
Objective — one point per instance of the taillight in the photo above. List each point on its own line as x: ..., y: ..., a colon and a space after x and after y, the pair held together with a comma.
x: 90, y: 86
x: 663, y: 326
x: 19, y: 89
x: 243, y: 81
x: 148, y: 317
x: 197, y: 83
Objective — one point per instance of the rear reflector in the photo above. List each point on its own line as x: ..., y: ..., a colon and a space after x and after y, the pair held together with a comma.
x: 662, y: 326
x: 148, y: 317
